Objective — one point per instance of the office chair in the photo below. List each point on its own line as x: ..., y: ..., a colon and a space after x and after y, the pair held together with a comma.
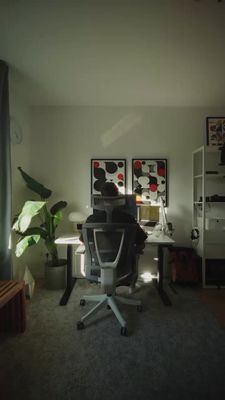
x: 110, y: 248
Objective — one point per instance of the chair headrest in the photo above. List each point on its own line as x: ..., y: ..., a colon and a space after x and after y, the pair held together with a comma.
x: 106, y: 202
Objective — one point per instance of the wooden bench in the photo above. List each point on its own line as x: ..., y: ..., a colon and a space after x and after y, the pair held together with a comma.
x: 12, y: 306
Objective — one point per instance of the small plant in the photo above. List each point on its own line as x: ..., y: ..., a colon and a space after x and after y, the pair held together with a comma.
x: 49, y: 220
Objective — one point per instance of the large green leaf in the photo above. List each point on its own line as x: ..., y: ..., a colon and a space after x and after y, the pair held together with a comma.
x: 58, y: 206
x: 47, y: 221
x: 35, y: 186
x: 57, y: 213
x: 35, y: 231
x: 26, y: 242
x: 56, y: 219
x: 30, y: 209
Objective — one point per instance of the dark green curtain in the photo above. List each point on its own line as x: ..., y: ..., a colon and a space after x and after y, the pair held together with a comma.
x: 5, y: 176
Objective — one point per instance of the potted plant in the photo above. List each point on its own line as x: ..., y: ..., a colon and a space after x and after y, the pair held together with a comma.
x: 30, y: 234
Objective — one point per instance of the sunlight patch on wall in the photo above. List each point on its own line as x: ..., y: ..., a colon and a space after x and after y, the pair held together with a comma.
x: 120, y: 129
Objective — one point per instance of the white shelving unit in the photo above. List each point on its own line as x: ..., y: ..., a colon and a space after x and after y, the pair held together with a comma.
x: 208, y: 216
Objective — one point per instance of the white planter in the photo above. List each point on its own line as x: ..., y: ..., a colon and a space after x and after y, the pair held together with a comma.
x: 55, y: 276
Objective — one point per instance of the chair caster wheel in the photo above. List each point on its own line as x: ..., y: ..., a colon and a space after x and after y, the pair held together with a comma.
x: 140, y: 308
x: 124, y: 331
x: 82, y: 302
x: 80, y: 325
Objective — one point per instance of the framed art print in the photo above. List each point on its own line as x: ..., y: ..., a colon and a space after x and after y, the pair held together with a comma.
x: 149, y: 180
x: 108, y: 170
x: 215, y: 131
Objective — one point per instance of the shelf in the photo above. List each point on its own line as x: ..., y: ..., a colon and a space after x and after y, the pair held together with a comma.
x: 210, y: 149
x: 208, y: 217
x: 215, y: 219
x: 215, y: 202
x: 215, y: 175
x: 210, y: 241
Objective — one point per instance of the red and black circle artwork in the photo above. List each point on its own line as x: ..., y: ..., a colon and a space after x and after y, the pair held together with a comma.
x: 149, y: 180
x: 108, y: 171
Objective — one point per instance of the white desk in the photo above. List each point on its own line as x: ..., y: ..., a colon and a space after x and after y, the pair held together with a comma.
x: 71, y: 238
x: 162, y: 241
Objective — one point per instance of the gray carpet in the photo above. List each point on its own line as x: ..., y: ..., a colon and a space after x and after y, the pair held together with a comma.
x: 173, y: 352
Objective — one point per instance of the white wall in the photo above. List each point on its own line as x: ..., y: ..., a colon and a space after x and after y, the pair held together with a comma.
x: 64, y: 139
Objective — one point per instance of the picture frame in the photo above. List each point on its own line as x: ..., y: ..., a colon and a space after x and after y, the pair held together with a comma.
x: 108, y: 170
x: 215, y: 131
x: 149, y: 180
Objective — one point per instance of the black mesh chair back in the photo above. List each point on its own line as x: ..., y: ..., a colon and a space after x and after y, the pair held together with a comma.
x: 109, y: 245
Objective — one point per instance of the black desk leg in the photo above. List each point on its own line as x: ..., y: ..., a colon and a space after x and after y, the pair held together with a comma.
x: 159, y: 284
x: 70, y: 281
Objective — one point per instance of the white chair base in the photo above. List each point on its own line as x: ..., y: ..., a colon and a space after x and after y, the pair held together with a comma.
x: 111, y: 301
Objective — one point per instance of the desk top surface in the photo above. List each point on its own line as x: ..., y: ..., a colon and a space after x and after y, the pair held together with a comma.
x: 161, y: 239
x: 70, y: 238
x: 73, y: 238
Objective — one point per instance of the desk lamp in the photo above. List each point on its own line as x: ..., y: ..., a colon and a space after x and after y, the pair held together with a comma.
x: 77, y: 218
x: 166, y: 226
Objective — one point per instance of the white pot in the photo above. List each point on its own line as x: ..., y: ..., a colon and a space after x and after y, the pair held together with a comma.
x: 55, y: 275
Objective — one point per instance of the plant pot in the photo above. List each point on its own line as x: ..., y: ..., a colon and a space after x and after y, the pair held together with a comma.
x: 55, y: 274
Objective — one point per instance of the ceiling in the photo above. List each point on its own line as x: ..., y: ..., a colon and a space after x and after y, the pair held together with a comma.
x: 115, y: 52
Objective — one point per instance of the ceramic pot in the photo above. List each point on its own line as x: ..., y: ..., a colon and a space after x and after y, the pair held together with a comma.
x: 55, y: 274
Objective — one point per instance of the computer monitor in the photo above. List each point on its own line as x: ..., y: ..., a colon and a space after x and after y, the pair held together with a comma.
x: 149, y: 215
